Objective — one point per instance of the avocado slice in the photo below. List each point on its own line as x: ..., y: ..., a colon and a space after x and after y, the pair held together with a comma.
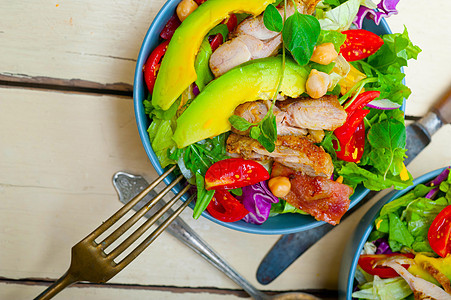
x: 177, y: 68
x: 208, y: 114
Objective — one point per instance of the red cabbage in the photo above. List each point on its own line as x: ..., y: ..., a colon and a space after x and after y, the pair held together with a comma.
x: 386, y: 8
x: 257, y: 199
x: 436, y: 182
x: 382, y: 246
x: 441, y: 177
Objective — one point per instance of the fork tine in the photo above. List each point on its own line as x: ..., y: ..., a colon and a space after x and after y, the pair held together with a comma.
x: 129, y: 223
x: 141, y: 247
x: 121, y: 212
x: 143, y: 228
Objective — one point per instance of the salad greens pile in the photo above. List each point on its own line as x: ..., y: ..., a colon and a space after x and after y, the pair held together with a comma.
x: 382, y: 163
x: 402, y: 226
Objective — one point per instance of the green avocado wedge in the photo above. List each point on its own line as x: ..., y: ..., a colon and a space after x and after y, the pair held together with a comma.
x: 208, y: 114
x: 177, y: 67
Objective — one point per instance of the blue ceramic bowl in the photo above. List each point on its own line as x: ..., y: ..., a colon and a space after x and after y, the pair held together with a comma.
x: 361, y: 234
x: 281, y: 224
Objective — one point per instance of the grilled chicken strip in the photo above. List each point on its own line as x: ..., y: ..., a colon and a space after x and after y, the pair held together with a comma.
x: 240, y: 50
x: 252, y: 40
x: 324, y: 113
x: 321, y: 197
x: 303, y: 116
x: 421, y: 288
x: 295, y: 152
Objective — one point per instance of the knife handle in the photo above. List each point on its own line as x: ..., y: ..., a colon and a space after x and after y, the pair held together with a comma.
x: 443, y: 107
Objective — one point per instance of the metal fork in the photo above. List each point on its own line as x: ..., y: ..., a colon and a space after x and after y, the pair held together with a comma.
x: 90, y: 262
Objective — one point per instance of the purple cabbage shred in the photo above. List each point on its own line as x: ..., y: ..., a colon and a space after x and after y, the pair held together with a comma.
x: 196, y: 90
x: 385, y: 8
x: 382, y: 246
x: 257, y: 199
x: 436, y: 182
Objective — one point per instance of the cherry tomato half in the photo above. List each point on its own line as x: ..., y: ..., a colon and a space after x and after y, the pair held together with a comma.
x: 234, y: 173
x: 367, y: 262
x: 152, y: 65
x: 226, y: 208
x: 360, y: 44
x: 439, y: 234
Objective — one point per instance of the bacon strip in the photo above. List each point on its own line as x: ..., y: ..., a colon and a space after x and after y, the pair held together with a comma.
x: 324, y: 199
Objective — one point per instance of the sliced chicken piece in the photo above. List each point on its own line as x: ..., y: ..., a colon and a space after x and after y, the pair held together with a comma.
x: 421, y: 288
x: 255, y: 111
x: 440, y: 277
x: 240, y: 50
x: 295, y: 152
x: 316, y: 114
x: 252, y: 40
x: 323, y: 198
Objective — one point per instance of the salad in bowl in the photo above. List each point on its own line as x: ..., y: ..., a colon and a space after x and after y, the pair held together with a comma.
x: 402, y: 248
x: 283, y: 113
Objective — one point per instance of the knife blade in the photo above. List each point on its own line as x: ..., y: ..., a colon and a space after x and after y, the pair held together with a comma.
x: 291, y: 246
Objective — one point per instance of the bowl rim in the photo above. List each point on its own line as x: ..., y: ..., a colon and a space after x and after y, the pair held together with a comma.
x: 280, y: 222
x: 363, y: 230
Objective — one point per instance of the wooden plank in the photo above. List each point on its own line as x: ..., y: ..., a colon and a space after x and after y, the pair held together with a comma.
x: 59, y: 152
x: 96, y: 44
x: 430, y: 75
x: 22, y: 291
x: 79, y: 40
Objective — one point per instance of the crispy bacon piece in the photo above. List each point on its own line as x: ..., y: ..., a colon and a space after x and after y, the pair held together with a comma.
x: 324, y: 199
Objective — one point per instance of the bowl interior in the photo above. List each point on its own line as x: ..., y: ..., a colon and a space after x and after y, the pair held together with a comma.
x: 282, y: 224
x: 362, y: 232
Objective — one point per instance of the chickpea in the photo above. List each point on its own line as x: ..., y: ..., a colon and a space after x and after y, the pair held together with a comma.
x: 317, y: 84
x: 280, y: 186
x: 185, y: 8
x: 324, y: 54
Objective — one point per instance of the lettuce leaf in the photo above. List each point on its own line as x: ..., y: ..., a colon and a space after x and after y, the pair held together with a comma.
x: 390, y: 288
x: 340, y: 17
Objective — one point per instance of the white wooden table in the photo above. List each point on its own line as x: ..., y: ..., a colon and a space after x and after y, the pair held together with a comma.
x: 67, y: 125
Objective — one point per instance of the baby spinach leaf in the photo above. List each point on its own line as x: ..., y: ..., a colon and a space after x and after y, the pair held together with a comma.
x: 272, y: 19
x: 222, y: 29
x: 300, y: 34
x: 201, y: 65
x: 240, y: 123
x: 332, y: 36
x: 388, y: 140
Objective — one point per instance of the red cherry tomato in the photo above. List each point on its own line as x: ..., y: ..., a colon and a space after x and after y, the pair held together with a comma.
x: 199, y: 2
x: 215, y: 41
x: 367, y: 263
x: 226, y: 208
x: 234, y: 173
x: 170, y: 27
x: 360, y: 44
x: 439, y: 234
x: 152, y: 65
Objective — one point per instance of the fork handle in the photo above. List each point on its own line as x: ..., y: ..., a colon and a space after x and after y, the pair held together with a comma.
x: 185, y: 234
x: 65, y: 280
